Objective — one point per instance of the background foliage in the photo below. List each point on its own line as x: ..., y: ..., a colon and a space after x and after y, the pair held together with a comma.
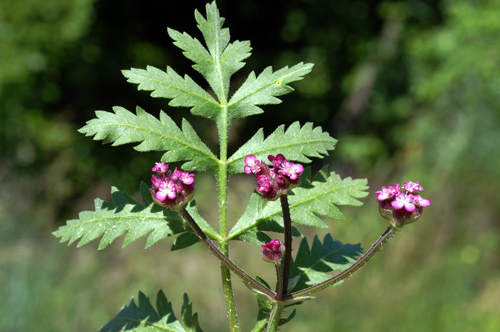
x: 410, y: 89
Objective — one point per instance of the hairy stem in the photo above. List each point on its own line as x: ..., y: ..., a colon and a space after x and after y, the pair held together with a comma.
x: 288, y: 246
x: 279, y: 280
x: 222, y: 180
x: 274, y: 317
x: 344, y: 274
x: 251, y: 282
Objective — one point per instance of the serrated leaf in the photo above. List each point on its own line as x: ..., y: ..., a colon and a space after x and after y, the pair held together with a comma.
x: 319, y: 198
x: 123, y: 216
x: 188, y: 319
x: 183, y: 91
x: 312, y: 265
x: 144, y: 317
x: 221, y: 60
x: 296, y: 143
x: 184, y: 240
x: 307, y: 202
x: 249, y: 232
x: 216, y: 38
x: 264, y: 89
x: 123, y: 127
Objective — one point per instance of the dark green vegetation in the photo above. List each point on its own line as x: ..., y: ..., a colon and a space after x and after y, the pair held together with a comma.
x: 410, y: 89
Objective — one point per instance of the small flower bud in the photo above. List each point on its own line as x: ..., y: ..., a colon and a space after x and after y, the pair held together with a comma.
x: 273, y: 251
x: 172, y: 190
x: 401, y: 206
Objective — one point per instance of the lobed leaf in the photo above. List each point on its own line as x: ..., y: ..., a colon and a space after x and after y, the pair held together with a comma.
x: 311, y: 266
x: 312, y: 199
x: 123, y: 127
x: 222, y: 59
x: 264, y: 89
x: 144, y: 318
x: 184, y: 92
x: 319, y: 198
x: 125, y: 216
x: 296, y: 143
x: 249, y: 232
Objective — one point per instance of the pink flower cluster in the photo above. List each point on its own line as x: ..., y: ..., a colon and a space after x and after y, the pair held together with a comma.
x: 401, y: 206
x: 276, y: 181
x: 171, y: 189
x: 273, y: 251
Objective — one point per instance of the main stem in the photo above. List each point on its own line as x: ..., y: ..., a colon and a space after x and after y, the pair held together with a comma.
x: 222, y: 183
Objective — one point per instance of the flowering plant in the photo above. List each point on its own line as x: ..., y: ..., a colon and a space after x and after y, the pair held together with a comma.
x: 286, y: 192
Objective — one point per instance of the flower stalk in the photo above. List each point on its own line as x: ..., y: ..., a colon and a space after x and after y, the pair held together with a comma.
x: 296, y: 296
x: 288, y: 246
x: 248, y: 280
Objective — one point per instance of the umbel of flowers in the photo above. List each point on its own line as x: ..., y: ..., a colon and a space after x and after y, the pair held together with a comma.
x: 401, y: 206
x: 272, y: 182
x: 171, y: 189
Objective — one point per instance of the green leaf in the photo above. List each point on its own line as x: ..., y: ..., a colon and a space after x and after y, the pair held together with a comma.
x: 319, y: 198
x: 123, y: 216
x: 295, y: 143
x: 185, y: 240
x: 122, y: 127
x: 144, y: 317
x: 184, y: 92
x: 307, y: 202
x: 192, y: 209
x: 126, y: 216
x: 312, y: 265
x: 264, y: 89
x: 248, y: 231
x: 221, y: 60
x: 189, y: 320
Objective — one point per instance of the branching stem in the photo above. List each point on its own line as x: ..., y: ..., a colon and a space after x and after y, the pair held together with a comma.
x: 248, y: 280
x: 344, y: 274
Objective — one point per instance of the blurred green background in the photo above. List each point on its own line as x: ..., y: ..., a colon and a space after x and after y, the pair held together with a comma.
x: 410, y: 88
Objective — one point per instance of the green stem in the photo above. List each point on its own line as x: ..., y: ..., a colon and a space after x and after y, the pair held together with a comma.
x: 287, y: 221
x: 274, y: 317
x: 222, y: 181
x: 227, y: 288
x: 226, y: 262
x: 295, y: 297
x: 260, y: 326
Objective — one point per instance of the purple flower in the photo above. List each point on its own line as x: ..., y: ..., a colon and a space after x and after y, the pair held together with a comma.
x: 291, y: 170
x: 417, y: 199
x: 165, y: 190
x: 412, y: 186
x: 276, y: 181
x: 273, y: 251
x: 171, y: 189
x: 404, y: 201
x: 401, y: 206
x: 388, y: 192
x: 252, y: 165
x: 160, y: 167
